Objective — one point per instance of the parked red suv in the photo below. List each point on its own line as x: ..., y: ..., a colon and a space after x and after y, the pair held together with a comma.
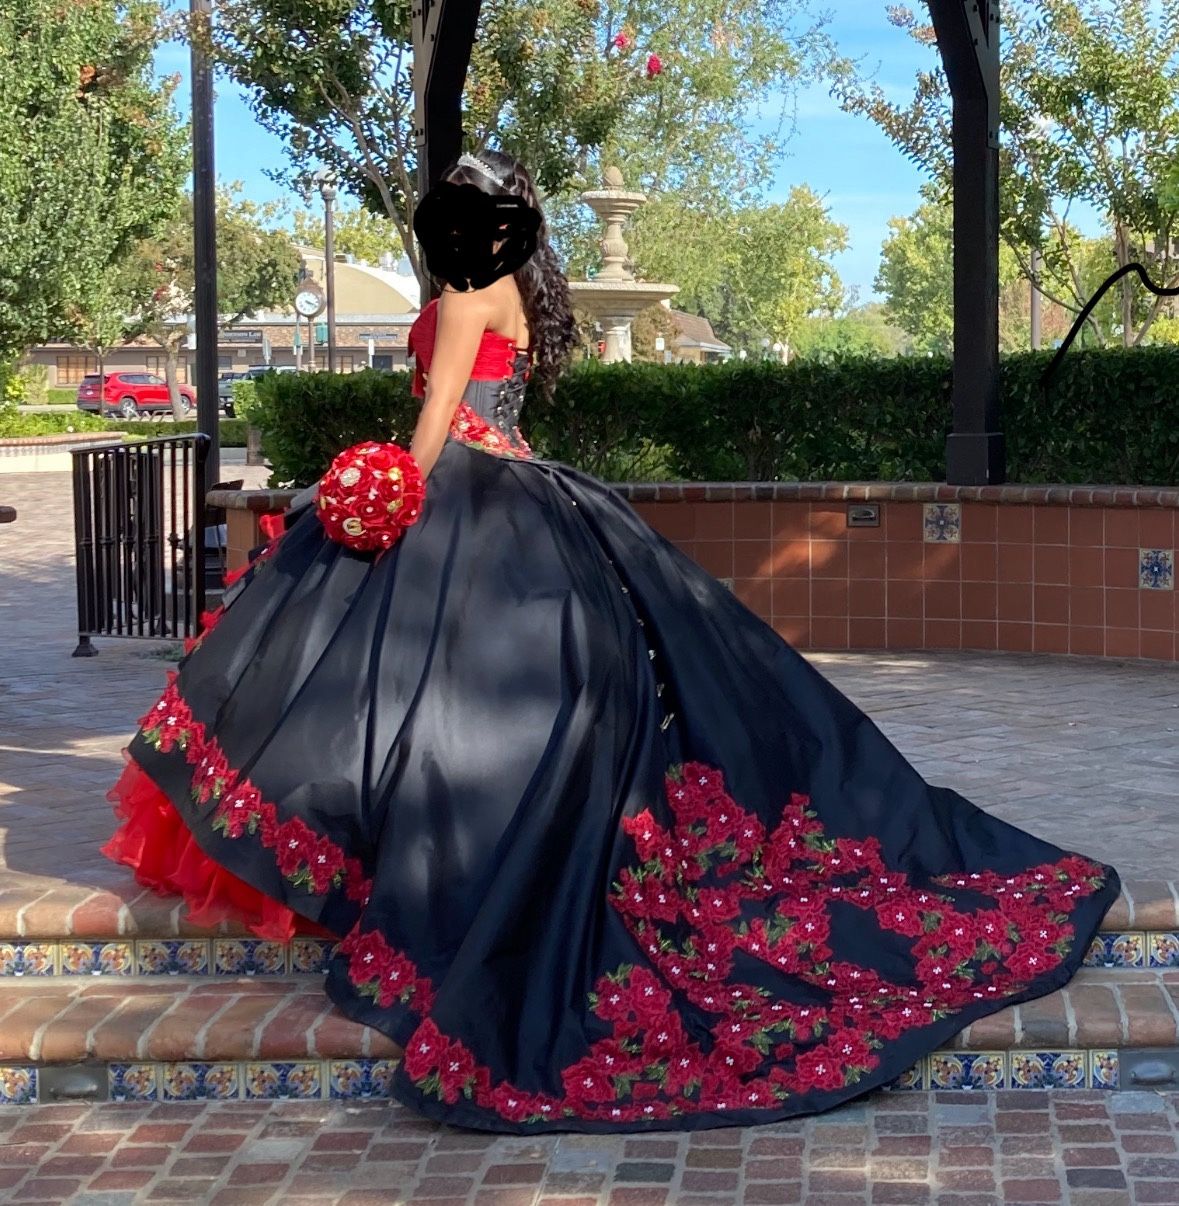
x: 126, y: 395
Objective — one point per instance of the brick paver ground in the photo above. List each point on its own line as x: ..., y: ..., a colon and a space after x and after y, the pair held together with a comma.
x: 1082, y: 752
x: 948, y: 1149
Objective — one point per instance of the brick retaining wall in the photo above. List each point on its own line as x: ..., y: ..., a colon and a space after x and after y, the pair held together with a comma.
x: 1048, y: 569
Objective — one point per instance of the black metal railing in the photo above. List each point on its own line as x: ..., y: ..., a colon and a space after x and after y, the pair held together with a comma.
x: 140, y: 528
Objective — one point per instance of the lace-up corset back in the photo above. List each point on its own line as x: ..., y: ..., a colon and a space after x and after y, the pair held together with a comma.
x: 499, y: 376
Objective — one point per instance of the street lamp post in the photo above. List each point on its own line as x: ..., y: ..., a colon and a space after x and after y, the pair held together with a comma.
x: 325, y: 179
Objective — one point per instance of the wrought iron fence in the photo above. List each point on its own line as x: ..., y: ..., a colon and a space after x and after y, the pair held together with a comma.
x: 140, y: 533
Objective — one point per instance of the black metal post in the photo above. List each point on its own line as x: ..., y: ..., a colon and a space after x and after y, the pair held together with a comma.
x: 443, y: 36
x: 327, y: 190
x: 968, y: 36
x: 204, y: 207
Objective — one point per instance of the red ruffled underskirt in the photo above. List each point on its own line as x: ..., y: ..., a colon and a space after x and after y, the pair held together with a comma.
x: 157, y: 845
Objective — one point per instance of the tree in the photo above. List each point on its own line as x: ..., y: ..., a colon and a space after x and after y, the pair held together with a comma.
x: 757, y: 273
x: 916, y: 279
x: 553, y: 81
x: 1089, y: 113
x: 91, y: 156
x: 358, y: 232
x: 860, y: 331
x: 257, y: 268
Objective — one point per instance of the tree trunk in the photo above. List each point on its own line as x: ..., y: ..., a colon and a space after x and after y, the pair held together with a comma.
x: 172, y: 377
x: 1122, y: 245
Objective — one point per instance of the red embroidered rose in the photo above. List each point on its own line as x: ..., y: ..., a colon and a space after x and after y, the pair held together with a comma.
x: 588, y: 1084
x: 294, y: 845
x: 456, y: 1071
x: 424, y: 1051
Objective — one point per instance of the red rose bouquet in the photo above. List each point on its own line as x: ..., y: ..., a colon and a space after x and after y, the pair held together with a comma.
x: 370, y: 495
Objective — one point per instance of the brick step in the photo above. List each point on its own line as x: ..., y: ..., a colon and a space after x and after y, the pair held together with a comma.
x: 167, y: 1018
x: 176, y: 1037
x: 289, y: 1017
x: 35, y: 908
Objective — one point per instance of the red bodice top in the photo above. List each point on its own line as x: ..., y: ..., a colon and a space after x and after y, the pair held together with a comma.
x: 495, y: 360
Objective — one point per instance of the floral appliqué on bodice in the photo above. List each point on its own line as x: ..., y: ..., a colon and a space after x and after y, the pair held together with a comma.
x: 488, y: 418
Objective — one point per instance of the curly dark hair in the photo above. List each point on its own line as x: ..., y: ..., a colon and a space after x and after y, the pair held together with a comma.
x: 544, y: 290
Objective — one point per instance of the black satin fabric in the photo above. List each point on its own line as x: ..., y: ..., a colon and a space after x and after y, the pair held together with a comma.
x: 474, y: 714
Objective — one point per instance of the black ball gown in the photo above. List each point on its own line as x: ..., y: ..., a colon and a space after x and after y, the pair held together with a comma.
x: 603, y: 852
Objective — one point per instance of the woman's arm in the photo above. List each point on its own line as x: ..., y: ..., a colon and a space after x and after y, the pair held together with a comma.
x: 462, y: 319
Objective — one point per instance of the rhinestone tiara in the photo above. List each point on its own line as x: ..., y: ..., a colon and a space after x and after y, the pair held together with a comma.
x: 483, y: 168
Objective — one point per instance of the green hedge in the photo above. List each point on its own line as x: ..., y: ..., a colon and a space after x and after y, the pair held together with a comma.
x: 15, y: 425
x: 1111, y: 416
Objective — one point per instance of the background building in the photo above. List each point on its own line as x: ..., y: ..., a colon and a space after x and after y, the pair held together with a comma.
x: 375, y: 306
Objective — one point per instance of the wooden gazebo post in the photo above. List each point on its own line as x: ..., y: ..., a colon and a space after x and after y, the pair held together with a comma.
x: 968, y: 37
x: 443, y: 36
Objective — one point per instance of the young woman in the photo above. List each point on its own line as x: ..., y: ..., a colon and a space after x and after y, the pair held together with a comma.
x: 602, y: 851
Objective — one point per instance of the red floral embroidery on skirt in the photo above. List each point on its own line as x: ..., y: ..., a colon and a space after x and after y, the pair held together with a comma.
x: 305, y: 858
x: 716, y: 883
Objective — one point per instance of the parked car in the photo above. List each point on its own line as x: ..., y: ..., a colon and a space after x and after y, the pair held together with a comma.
x: 226, y: 380
x: 127, y: 395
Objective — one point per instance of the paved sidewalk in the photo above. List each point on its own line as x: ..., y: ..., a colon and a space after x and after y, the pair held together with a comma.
x: 948, y: 1149
x: 1082, y: 752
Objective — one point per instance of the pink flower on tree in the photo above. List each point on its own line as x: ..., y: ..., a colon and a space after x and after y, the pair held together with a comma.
x: 654, y: 66
x: 620, y: 41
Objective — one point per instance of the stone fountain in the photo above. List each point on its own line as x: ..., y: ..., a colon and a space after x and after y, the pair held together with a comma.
x: 614, y: 297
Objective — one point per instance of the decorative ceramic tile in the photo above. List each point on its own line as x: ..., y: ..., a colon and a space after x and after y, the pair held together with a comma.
x: 133, y: 1082
x: 1163, y: 948
x: 18, y: 1086
x: 1128, y: 950
x: 1103, y: 1069
x: 283, y: 1080
x: 97, y: 959
x: 967, y: 1070
x: 190, y: 1082
x: 361, y: 1077
x: 28, y: 958
x: 943, y: 523
x: 248, y: 957
x: 172, y: 957
x: 913, y: 1079
x: 310, y: 955
x: 1096, y: 955
x: 1156, y: 569
x: 1048, y: 1069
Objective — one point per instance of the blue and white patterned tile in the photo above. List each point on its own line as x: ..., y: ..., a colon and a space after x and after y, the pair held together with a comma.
x: 97, y: 959
x: 133, y: 1082
x: 172, y: 957
x: 311, y: 955
x: 943, y: 523
x: 265, y: 1081
x: 1103, y: 1069
x: 967, y: 1070
x: 248, y: 957
x: 1127, y: 950
x: 18, y: 1085
x: 1098, y: 953
x: 199, y: 1082
x: 1156, y: 569
x: 351, y: 1078
x: 912, y: 1080
x: 28, y: 958
x: 1048, y: 1069
x: 1163, y: 948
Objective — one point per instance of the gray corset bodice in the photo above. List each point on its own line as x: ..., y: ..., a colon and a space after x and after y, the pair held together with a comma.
x: 498, y: 403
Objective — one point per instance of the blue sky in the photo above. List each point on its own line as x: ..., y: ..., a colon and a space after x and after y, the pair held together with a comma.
x: 845, y: 159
